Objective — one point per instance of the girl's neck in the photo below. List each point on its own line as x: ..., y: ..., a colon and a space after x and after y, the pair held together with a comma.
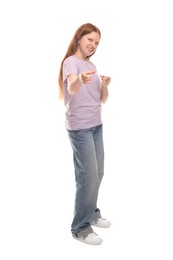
x: 80, y: 56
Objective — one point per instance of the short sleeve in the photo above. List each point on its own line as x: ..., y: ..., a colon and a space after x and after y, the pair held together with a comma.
x: 69, y: 67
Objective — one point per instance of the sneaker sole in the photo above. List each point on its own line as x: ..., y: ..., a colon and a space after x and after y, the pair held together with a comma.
x: 85, y: 242
x: 100, y: 226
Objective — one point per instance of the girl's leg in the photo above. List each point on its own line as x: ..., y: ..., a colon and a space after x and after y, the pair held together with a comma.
x: 86, y: 177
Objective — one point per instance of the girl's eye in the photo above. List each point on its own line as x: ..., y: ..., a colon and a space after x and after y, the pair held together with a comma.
x: 91, y: 40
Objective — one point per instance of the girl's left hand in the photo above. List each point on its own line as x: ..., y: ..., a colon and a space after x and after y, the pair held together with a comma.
x: 105, y: 80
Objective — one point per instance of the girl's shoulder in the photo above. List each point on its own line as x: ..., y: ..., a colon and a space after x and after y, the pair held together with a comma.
x: 70, y: 58
x: 70, y: 61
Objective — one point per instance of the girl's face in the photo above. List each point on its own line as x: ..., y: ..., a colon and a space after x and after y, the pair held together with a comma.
x: 88, y: 44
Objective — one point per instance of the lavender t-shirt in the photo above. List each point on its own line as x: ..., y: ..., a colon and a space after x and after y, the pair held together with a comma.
x: 83, y: 110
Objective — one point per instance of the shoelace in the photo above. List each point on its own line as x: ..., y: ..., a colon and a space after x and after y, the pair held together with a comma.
x: 91, y: 235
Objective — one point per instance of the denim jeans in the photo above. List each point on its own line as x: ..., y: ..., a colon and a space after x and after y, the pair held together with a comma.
x: 88, y: 156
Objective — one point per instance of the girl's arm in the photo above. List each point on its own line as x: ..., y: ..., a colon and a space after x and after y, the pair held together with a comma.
x: 104, y: 88
x: 75, y: 82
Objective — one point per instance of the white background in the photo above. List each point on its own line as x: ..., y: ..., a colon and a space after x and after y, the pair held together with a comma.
x: 36, y: 169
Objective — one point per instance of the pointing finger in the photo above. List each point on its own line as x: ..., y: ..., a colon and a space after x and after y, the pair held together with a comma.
x: 89, y: 72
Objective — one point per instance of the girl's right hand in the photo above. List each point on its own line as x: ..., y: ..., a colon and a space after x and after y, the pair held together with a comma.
x: 85, y: 76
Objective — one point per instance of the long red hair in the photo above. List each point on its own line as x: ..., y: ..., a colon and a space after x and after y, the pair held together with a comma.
x: 72, y: 48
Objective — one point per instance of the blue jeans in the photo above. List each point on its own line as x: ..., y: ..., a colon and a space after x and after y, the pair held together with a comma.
x: 88, y: 156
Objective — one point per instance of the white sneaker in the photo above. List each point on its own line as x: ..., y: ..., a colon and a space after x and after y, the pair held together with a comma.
x: 101, y: 222
x: 91, y: 239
